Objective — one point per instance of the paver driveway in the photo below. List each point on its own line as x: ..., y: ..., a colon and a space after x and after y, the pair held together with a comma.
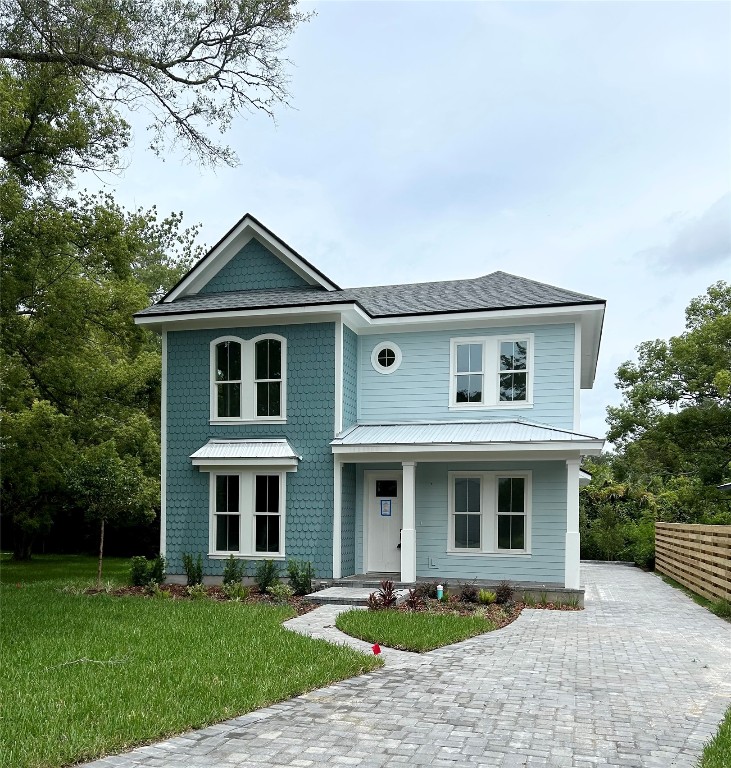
x: 640, y: 678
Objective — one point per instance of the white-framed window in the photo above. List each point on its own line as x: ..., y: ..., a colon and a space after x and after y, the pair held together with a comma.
x: 227, y: 378
x: 247, y: 512
x: 386, y: 357
x: 248, y: 379
x: 489, y: 512
x: 491, y: 372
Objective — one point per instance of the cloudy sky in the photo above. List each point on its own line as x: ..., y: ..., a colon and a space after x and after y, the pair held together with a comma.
x: 583, y: 144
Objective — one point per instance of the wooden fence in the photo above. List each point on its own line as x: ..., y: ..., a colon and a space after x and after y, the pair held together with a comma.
x: 698, y: 556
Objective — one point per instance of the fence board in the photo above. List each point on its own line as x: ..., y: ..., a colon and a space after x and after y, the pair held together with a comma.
x: 697, y: 556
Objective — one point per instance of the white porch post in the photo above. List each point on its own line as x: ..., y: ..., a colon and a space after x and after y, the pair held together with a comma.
x: 408, y: 531
x: 337, y: 517
x: 571, y: 571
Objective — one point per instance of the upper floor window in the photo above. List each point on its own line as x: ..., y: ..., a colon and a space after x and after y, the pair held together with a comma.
x: 514, y: 371
x: 248, y: 379
x: 491, y: 371
x: 228, y: 379
x: 268, y: 377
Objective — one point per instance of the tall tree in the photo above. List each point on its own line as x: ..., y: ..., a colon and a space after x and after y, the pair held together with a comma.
x: 190, y: 65
x: 73, y: 272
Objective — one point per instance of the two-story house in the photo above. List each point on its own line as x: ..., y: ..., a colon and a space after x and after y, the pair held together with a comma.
x: 424, y: 430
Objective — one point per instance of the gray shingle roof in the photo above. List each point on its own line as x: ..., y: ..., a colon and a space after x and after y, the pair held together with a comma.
x: 498, y: 290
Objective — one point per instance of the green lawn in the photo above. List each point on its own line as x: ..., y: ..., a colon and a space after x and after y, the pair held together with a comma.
x: 411, y: 631
x: 85, y: 675
x: 717, y: 753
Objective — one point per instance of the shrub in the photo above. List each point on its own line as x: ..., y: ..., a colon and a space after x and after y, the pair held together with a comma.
x: 280, y: 592
x: 300, y: 576
x: 138, y: 571
x: 468, y: 593
x: 234, y: 570
x: 236, y: 591
x: 385, y: 597
x: 197, y: 591
x: 504, y: 592
x: 267, y: 575
x: 486, y: 597
x: 414, y: 601
x: 142, y: 571
x: 193, y: 569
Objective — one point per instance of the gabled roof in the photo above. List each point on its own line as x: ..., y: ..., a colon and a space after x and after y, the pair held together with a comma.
x: 498, y: 290
x: 246, y: 228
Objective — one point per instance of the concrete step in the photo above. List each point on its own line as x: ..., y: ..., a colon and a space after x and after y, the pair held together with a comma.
x: 348, y: 595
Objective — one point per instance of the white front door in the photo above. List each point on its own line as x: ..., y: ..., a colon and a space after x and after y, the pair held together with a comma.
x: 383, y: 519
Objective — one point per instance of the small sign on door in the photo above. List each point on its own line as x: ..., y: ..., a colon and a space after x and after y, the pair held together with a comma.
x: 385, y: 507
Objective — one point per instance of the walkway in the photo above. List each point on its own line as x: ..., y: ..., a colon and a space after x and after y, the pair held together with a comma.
x: 642, y: 677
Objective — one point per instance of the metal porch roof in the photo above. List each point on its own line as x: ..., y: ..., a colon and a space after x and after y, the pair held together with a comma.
x: 245, y: 450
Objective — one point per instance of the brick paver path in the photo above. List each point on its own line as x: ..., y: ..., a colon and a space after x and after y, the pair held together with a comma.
x: 642, y: 677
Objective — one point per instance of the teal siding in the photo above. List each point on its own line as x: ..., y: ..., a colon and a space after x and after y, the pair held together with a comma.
x: 419, y: 389
x: 350, y: 377
x: 548, y: 533
x: 347, y: 560
x: 253, y: 268
x: 310, y: 414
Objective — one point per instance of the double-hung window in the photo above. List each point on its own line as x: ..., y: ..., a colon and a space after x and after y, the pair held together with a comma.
x: 491, y: 372
x: 247, y: 513
x: 268, y: 377
x: 489, y: 512
x: 248, y: 379
x: 228, y: 379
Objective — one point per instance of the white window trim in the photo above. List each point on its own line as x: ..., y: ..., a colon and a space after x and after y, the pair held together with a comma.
x: 248, y: 382
x: 247, y: 514
x: 490, y: 372
x: 378, y: 349
x: 488, y: 513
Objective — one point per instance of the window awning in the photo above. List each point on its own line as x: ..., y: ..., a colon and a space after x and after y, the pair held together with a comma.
x: 462, y: 437
x: 244, y: 453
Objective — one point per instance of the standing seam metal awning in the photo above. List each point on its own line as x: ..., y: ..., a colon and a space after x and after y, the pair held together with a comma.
x: 271, y: 452
x: 471, y: 436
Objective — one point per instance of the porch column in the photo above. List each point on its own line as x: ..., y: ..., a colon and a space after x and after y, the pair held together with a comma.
x: 408, y: 532
x: 337, y: 517
x: 571, y: 571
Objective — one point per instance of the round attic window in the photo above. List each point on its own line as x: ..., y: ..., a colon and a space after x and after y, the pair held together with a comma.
x: 386, y: 357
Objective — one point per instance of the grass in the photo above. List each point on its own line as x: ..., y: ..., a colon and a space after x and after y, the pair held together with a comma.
x: 721, y: 608
x: 717, y: 753
x: 85, y: 676
x: 411, y: 631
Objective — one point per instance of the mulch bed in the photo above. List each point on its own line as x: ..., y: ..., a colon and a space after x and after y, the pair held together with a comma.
x: 180, y: 592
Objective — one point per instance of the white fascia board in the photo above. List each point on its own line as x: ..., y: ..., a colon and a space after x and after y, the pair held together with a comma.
x: 226, y: 463
x: 583, y: 448
x: 454, y: 457
x: 240, y: 318
x: 214, y: 261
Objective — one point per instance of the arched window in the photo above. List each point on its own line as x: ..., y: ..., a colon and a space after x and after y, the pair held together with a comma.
x: 268, y: 377
x: 228, y: 380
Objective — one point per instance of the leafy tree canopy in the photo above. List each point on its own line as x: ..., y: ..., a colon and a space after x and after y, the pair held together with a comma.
x: 675, y: 417
x: 189, y: 65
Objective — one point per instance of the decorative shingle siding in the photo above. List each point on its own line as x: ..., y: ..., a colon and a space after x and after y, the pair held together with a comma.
x: 348, y: 521
x: 350, y: 377
x: 544, y: 564
x: 310, y: 414
x: 253, y: 268
x: 419, y: 389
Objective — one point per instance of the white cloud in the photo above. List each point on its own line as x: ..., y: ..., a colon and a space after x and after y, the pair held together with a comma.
x: 703, y: 242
